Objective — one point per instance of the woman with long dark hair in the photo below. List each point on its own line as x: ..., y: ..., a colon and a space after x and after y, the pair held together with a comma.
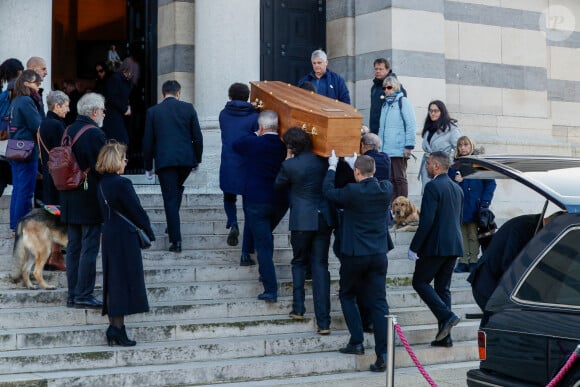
x: 440, y: 133
x: 24, y: 122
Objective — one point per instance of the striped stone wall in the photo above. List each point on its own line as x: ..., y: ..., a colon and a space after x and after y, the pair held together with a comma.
x: 511, y: 85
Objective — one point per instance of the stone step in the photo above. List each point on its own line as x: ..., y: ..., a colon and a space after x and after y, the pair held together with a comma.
x: 43, y: 315
x: 194, y: 372
x: 168, y: 352
x: 419, y: 327
x: 194, y: 290
x: 451, y: 374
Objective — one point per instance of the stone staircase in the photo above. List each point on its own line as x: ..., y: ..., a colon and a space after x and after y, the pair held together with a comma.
x: 205, y: 325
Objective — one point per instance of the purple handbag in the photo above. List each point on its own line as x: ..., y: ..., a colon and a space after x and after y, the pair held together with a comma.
x: 19, y: 150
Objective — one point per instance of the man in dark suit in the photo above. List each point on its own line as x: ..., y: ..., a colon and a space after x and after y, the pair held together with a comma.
x: 311, y: 222
x: 363, y: 264
x: 79, y: 209
x: 263, y: 155
x: 173, y: 138
x: 437, y: 243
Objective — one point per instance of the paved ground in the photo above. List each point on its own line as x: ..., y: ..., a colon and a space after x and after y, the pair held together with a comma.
x: 445, y: 375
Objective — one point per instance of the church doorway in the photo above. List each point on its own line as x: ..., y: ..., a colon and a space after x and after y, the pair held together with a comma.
x: 84, y: 32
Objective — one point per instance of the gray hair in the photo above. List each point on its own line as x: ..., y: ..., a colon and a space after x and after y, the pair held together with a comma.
x: 268, y: 119
x: 371, y: 139
x: 393, y: 81
x: 56, y: 97
x: 320, y: 54
x: 89, y: 103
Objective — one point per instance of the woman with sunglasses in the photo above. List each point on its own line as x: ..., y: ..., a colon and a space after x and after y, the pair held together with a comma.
x: 440, y: 133
x: 24, y: 122
x: 397, y: 127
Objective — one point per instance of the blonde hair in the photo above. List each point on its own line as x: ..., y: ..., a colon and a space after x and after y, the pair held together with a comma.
x: 111, y: 157
x: 466, y: 140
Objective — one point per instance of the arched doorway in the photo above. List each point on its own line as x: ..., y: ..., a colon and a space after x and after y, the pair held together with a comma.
x: 84, y: 30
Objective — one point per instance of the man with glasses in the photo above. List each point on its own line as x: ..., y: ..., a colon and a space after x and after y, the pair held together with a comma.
x: 79, y: 209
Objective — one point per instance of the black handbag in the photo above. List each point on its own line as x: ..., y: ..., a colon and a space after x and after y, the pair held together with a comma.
x: 19, y: 150
x: 144, y: 241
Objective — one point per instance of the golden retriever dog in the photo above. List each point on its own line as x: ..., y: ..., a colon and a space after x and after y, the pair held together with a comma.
x: 405, y: 215
x: 34, y: 236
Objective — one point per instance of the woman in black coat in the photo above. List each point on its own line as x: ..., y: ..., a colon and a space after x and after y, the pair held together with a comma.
x: 124, y: 290
x: 50, y: 134
x: 117, y: 94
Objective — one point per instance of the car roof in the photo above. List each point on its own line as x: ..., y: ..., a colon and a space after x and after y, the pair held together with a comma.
x: 556, y: 178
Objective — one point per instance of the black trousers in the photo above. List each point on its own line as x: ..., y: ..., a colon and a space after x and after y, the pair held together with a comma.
x: 171, y: 180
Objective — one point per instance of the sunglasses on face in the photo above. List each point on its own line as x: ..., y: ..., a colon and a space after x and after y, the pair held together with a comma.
x: 387, y: 87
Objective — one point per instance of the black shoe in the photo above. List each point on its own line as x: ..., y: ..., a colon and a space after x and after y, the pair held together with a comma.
x: 70, y: 302
x: 87, y: 303
x: 233, y: 235
x: 245, y: 260
x: 381, y: 364
x: 446, y: 327
x: 119, y: 337
x: 447, y: 342
x: 268, y: 297
x: 461, y: 268
x: 368, y: 328
x: 175, y: 247
x: 353, y: 349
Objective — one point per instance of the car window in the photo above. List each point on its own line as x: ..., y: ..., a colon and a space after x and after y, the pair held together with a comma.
x: 555, y: 279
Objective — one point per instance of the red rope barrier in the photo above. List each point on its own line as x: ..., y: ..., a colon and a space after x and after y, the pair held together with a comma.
x: 414, y: 357
x: 565, y: 368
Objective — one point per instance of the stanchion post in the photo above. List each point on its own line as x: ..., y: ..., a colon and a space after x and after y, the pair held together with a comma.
x: 391, y: 321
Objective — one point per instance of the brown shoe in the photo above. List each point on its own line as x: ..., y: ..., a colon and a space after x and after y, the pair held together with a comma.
x: 56, y: 261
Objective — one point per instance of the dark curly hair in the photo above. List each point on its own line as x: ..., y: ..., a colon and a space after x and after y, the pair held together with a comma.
x: 239, y: 92
x: 297, y: 140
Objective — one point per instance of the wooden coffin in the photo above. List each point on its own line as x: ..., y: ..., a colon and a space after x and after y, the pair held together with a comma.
x: 331, y: 124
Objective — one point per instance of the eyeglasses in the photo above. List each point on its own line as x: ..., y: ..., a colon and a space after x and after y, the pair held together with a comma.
x: 434, y: 111
x: 387, y: 87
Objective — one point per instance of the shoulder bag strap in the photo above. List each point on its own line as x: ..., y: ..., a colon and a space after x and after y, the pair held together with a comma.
x: 39, y: 140
x: 116, y: 212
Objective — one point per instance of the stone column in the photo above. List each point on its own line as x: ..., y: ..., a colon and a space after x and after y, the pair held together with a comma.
x: 27, y: 31
x: 227, y: 50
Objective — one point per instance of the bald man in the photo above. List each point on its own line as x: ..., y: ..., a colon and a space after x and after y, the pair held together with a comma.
x: 38, y: 65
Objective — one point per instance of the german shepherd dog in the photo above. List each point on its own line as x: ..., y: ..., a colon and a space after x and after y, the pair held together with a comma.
x: 34, y: 236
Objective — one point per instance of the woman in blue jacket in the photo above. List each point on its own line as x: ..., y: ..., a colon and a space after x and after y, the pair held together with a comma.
x: 24, y: 122
x: 397, y: 127
x: 477, y: 194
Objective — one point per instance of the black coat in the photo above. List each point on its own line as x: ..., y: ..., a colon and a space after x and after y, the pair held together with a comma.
x: 116, y: 103
x: 79, y: 206
x: 364, y: 227
x: 51, y: 130
x: 439, y: 232
x: 505, y: 246
x: 303, y: 175
x: 172, y: 135
x: 124, y: 289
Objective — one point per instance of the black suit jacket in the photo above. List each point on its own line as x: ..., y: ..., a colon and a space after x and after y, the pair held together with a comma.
x: 303, y: 175
x: 172, y: 135
x: 365, y: 204
x: 439, y: 232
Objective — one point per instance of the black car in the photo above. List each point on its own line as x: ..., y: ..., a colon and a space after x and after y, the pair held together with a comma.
x: 531, y: 322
